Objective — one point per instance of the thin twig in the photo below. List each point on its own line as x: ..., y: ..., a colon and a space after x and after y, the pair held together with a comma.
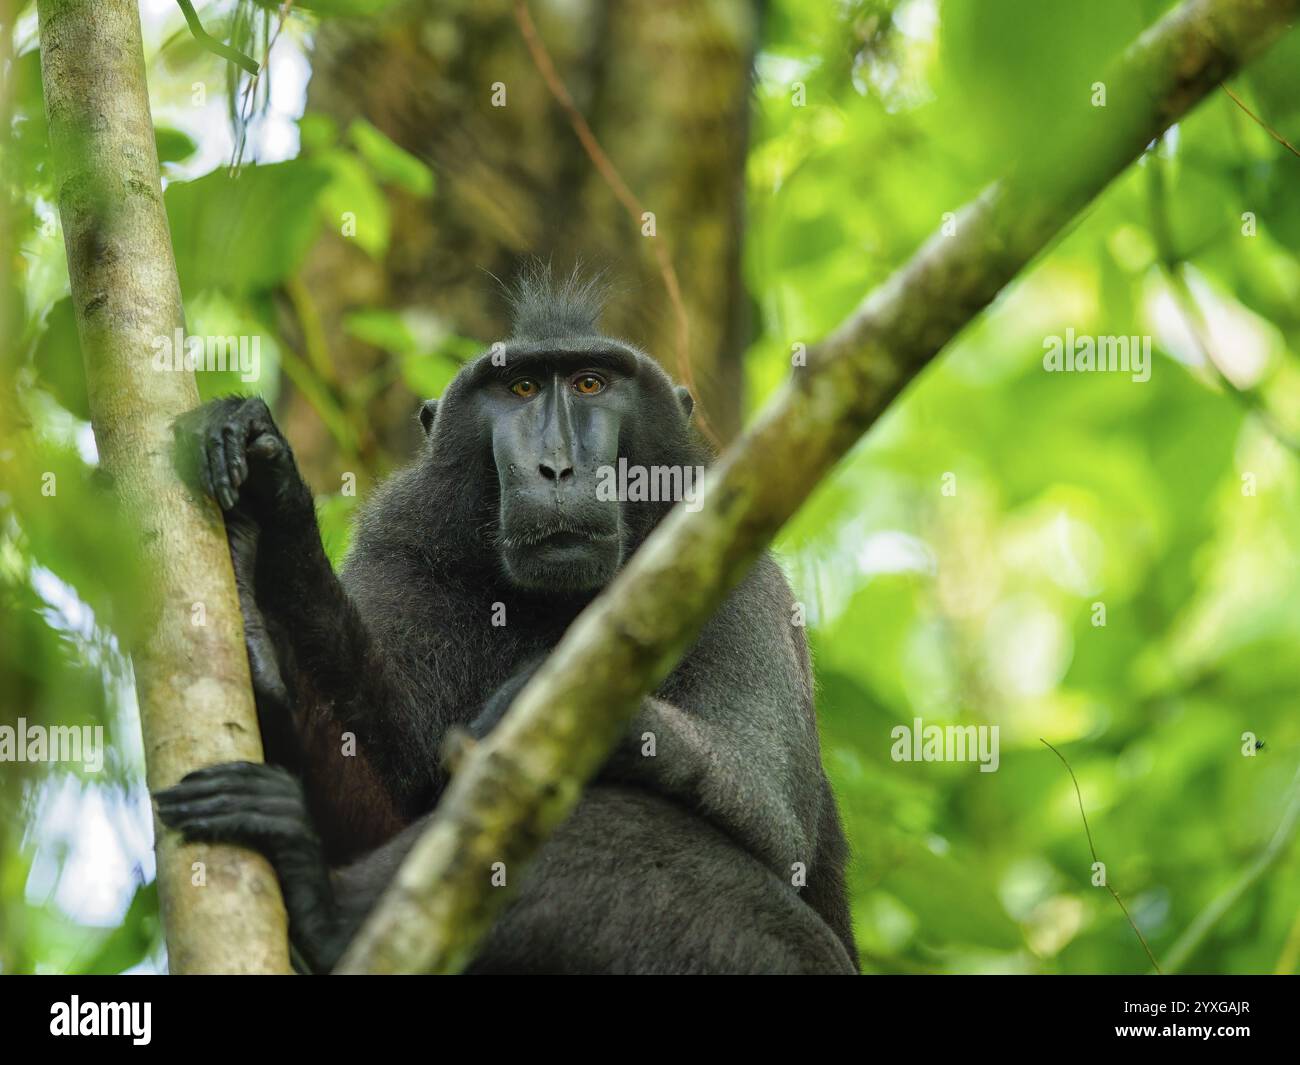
x: 246, y: 104
x: 546, y: 67
x: 1096, y: 861
x: 234, y: 55
x: 1263, y: 125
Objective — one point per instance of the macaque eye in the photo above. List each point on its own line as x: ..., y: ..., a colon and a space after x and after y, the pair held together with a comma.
x: 588, y: 384
x: 525, y: 388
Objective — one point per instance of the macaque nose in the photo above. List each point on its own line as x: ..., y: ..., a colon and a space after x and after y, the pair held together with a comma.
x: 555, y: 471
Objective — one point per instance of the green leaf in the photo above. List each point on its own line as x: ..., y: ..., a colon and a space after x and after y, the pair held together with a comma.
x: 245, y: 233
x: 173, y: 145
x: 250, y: 346
x: 384, y: 329
x: 317, y: 132
x: 59, y: 368
x: 428, y: 375
x: 390, y: 162
x: 354, y: 205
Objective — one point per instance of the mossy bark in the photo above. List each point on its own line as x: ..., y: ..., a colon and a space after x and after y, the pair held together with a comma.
x: 221, y: 907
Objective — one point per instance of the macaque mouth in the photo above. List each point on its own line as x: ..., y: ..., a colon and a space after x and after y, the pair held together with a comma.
x: 572, y: 539
x: 559, y: 536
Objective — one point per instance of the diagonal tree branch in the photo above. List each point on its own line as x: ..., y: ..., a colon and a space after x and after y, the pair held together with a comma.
x: 512, y: 791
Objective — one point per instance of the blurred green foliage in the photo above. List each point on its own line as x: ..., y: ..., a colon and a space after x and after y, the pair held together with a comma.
x: 1069, y: 490
x: 952, y: 567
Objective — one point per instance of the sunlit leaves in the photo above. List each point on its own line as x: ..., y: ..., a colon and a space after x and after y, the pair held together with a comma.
x: 245, y: 232
x: 1073, y: 492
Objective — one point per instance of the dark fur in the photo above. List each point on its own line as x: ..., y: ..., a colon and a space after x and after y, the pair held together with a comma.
x: 679, y: 863
x: 543, y: 310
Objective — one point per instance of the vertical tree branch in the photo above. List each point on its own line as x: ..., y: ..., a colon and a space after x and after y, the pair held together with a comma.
x: 191, y: 672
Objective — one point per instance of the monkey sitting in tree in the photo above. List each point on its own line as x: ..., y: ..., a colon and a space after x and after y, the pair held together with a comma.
x: 722, y: 852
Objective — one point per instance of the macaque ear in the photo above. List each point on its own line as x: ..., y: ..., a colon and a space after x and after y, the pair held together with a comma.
x: 685, y: 398
x: 427, y: 410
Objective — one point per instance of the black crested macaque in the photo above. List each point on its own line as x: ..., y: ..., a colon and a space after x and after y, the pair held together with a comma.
x: 723, y: 852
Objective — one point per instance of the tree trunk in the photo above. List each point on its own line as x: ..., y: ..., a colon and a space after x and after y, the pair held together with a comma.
x: 665, y: 86
x: 221, y: 908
